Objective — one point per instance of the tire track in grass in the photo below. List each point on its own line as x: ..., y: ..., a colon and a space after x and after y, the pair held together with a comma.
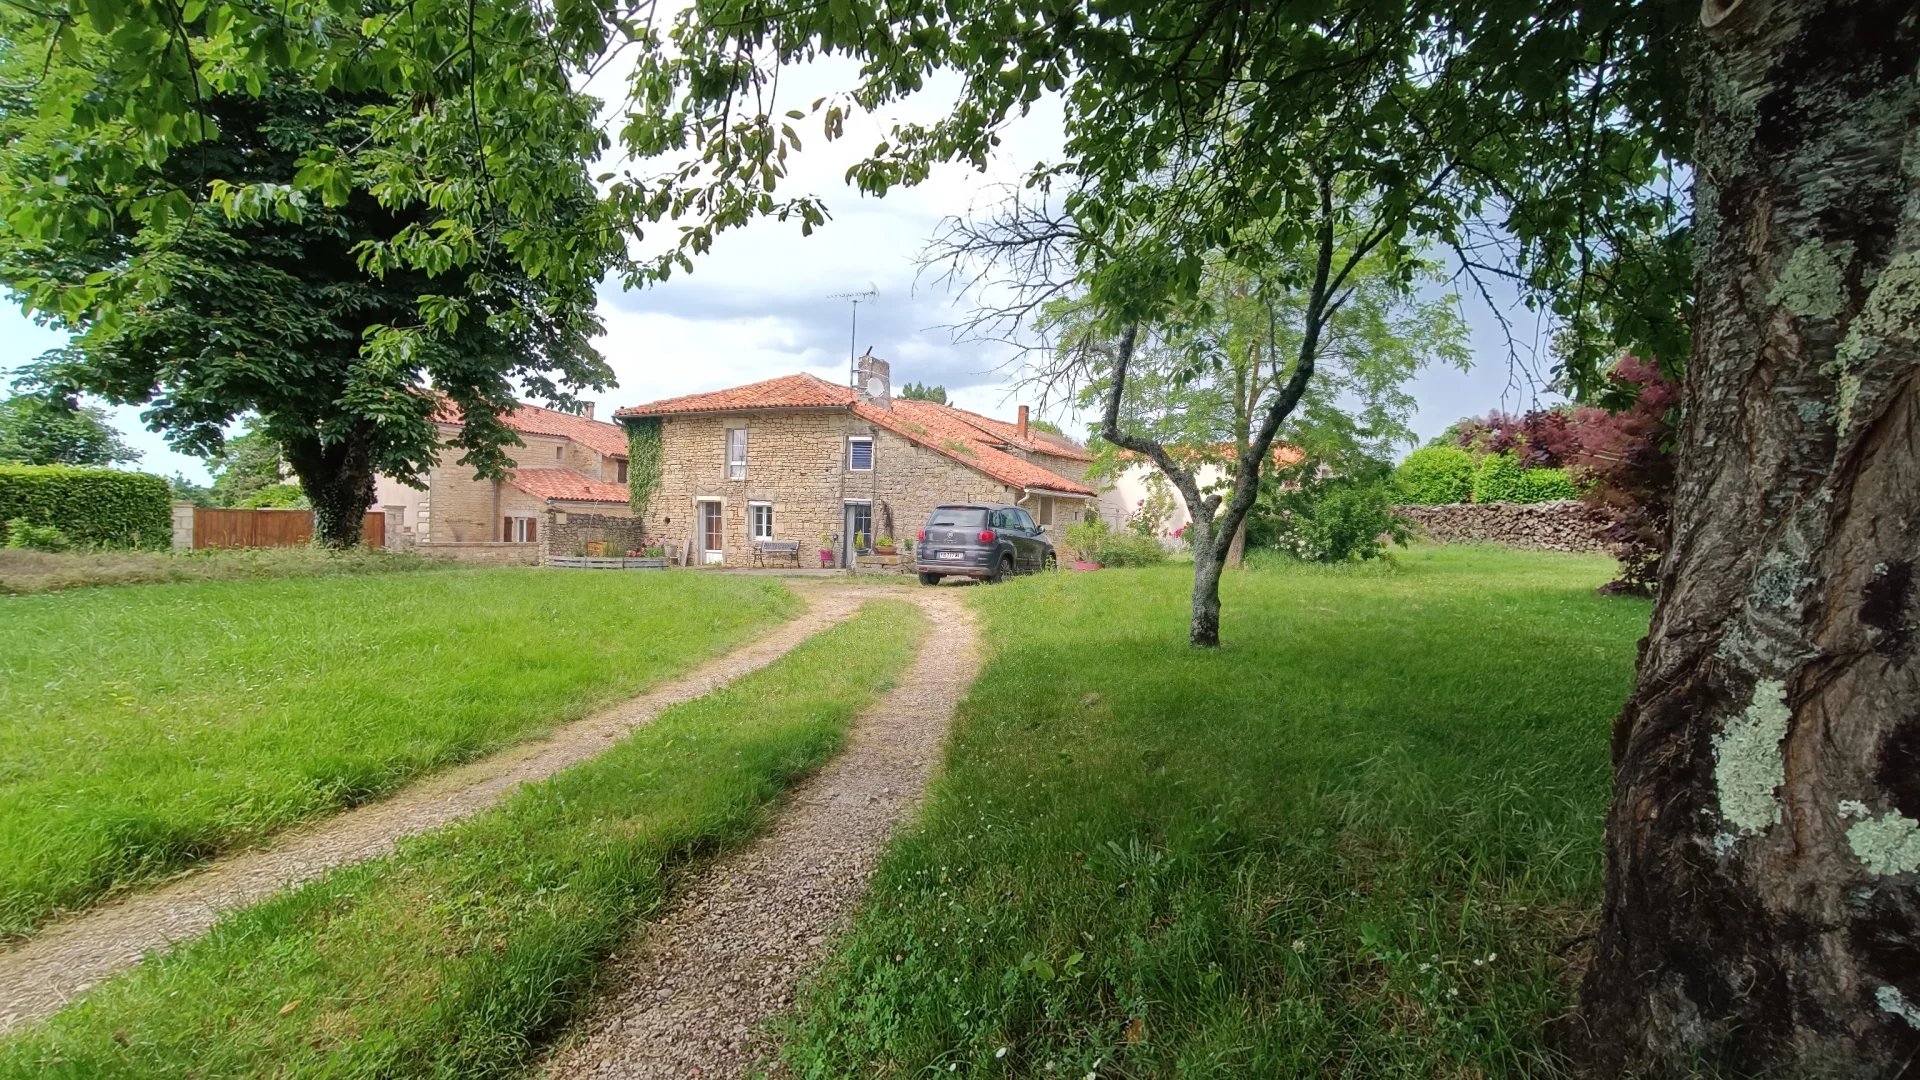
x: 41, y: 975
x: 687, y: 996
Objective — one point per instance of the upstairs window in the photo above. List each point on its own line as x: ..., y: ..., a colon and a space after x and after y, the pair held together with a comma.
x: 859, y: 454
x: 560, y: 452
x: 620, y: 470
x: 737, y: 453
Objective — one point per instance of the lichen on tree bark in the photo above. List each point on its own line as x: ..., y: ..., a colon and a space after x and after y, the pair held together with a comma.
x: 1762, y: 909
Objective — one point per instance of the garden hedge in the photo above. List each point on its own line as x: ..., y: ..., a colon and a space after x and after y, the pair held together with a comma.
x: 1434, y: 476
x: 93, y: 507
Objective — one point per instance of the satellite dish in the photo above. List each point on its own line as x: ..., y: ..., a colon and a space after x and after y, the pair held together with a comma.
x: 876, y: 386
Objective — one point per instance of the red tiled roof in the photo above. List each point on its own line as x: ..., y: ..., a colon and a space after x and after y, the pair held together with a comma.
x: 567, y: 485
x: 1036, y: 442
x: 537, y: 420
x: 965, y: 444
x: 1279, y: 454
x: 801, y: 391
x: 938, y: 427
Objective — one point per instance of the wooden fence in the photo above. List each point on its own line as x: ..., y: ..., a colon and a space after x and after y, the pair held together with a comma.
x: 271, y: 528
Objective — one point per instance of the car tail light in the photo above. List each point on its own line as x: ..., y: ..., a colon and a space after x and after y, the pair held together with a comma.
x: 986, y: 536
x: 921, y: 536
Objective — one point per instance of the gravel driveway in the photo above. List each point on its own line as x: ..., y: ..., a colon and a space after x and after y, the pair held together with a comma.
x: 686, y: 997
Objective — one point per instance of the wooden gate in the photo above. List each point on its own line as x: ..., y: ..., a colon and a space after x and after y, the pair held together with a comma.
x: 271, y: 528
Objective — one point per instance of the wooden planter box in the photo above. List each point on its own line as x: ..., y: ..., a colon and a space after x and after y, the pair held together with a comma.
x: 589, y: 562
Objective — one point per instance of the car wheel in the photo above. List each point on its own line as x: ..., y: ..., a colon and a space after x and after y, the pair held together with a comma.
x: 929, y: 579
x: 1003, y: 571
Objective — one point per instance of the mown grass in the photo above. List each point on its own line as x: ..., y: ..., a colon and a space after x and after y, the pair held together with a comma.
x: 144, y: 729
x: 1358, y: 841
x: 42, y: 571
x: 455, y: 955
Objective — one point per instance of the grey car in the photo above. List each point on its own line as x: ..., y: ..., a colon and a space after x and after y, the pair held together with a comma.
x: 989, y: 541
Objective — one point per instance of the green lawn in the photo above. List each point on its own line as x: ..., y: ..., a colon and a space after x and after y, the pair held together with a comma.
x: 453, y: 956
x: 1360, y: 840
x: 144, y: 728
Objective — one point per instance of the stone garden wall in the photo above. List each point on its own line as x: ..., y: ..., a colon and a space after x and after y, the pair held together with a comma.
x: 567, y: 532
x: 1555, y: 526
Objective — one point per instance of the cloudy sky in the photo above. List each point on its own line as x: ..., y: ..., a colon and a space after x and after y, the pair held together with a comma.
x: 760, y: 304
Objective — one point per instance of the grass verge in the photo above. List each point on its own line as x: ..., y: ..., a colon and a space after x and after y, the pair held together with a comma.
x: 42, y: 571
x: 142, y: 730
x: 1353, y: 842
x: 453, y: 956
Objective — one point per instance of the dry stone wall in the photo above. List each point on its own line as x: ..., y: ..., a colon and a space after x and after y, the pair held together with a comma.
x: 1555, y: 526
x: 566, y: 532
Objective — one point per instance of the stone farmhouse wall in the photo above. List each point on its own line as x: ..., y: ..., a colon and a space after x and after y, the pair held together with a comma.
x: 458, y: 507
x: 797, y: 461
x: 1555, y: 526
x: 568, y: 532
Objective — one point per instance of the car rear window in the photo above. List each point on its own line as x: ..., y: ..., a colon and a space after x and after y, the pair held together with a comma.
x: 965, y: 517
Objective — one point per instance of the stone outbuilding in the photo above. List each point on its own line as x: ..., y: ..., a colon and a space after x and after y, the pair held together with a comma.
x: 568, y: 466
x: 800, y: 459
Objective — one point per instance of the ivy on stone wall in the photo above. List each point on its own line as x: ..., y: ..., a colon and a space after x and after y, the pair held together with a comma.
x: 643, y: 462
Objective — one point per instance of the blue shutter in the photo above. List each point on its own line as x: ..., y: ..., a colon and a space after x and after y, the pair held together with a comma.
x: 861, y: 455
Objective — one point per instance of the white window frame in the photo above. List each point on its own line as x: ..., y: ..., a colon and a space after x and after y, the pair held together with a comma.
x: 737, y: 467
x: 521, y: 523
x: 853, y: 440
x: 753, y: 520
x: 713, y: 556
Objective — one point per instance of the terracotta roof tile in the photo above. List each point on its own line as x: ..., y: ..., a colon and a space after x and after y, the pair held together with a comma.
x: 801, y: 391
x: 1036, y: 442
x: 965, y: 444
x: 567, y: 485
x: 938, y: 427
x: 537, y: 420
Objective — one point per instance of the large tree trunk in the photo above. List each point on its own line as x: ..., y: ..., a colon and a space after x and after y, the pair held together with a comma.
x: 1763, y: 853
x: 337, y: 479
x: 1204, y: 630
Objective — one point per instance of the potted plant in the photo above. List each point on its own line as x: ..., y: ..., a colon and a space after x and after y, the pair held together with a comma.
x: 826, y: 551
x: 883, y: 546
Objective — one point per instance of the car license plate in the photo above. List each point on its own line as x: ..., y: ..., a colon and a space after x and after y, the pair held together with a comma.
x: 952, y: 555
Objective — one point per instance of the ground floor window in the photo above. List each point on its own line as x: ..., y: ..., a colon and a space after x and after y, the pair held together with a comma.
x: 518, y: 530
x: 760, y: 520
x: 1043, y: 510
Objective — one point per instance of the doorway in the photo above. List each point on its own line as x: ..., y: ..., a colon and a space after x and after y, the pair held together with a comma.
x: 857, y: 535
x: 710, y: 538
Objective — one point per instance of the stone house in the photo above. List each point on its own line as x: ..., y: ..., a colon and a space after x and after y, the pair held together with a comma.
x: 1140, y: 480
x: 798, y: 458
x: 569, y: 466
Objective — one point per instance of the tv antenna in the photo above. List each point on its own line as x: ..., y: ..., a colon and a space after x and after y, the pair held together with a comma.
x: 853, y: 332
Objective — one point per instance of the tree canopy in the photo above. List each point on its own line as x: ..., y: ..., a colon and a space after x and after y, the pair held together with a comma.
x: 275, y: 255
x: 53, y: 429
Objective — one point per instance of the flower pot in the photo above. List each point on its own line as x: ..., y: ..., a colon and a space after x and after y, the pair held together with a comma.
x: 883, y: 551
x: 1081, y: 564
x: 826, y: 558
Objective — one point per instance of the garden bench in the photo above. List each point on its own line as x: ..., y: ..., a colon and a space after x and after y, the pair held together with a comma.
x: 783, y: 549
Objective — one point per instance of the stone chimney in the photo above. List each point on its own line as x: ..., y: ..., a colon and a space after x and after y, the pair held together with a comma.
x: 1022, y: 426
x: 586, y: 409
x: 873, y: 380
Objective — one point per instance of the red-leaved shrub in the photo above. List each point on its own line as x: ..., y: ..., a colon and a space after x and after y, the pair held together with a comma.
x: 1628, y: 454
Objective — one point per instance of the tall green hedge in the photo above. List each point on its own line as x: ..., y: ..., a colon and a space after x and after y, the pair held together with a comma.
x: 1434, y: 476
x: 99, y: 507
x: 1499, y: 478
